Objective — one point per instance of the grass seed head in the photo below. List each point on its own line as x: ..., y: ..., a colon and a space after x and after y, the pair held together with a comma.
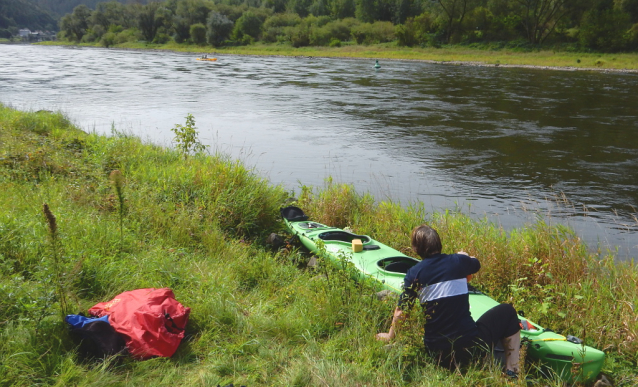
x: 117, y: 178
x: 53, y: 225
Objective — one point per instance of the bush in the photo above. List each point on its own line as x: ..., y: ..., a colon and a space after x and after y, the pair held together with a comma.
x: 198, y: 33
x: 275, y: 26
x: 161, y: 38
x: 605, y: 30
x: 309, y: 32
x: 117, y: 36
x: 415, y: 31
x: 248, y: 24
x: 339, y: 29
x: 377, y: 32
x: 299, y: 36
x: 219, y: 28
x: 108, y: 39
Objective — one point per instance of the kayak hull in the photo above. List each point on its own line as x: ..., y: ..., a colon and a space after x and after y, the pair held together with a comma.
x: 570, y: 360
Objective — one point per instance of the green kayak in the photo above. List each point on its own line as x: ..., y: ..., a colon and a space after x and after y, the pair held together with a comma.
x: 566, y: 356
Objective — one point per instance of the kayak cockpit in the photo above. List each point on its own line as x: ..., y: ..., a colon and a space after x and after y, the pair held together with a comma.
x: 397, y: 264
x: 311, y: 225
x: 342, y: 236
x: 293, y: 214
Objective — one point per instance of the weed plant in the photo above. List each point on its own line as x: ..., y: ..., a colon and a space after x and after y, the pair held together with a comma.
x: 259, y: 317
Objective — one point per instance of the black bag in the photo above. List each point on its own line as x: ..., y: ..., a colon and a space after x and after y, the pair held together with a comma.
x: 97, y: 339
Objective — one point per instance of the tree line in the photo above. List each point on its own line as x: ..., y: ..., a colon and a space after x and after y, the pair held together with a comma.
x: 598, y: 25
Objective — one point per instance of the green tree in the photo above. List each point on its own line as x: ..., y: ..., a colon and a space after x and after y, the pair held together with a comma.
x: 110, y: 13
x: 198, y: 33
x: 605, y: 27
x: 187, y: 13
x: 415, y: 31
x: 150, y: 20
x: 319, y: 8
x: 74, y: 25
x: 454, y: 12
x: 249, y: 24
x: 219, y: 28
x: 300, y: 7
x: 366, y: 10
x: 341, y: 9
x: 277, y: 6
x: 629, y: 6
x: 540, y: 17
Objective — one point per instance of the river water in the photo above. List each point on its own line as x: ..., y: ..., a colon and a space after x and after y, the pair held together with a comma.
x: 509, y: 144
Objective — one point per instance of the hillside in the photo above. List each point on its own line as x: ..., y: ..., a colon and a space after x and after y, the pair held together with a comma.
x: 15, y: 14
x: 60, y: 8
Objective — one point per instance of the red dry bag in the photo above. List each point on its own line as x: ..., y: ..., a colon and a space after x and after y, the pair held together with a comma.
x: 151, y: 320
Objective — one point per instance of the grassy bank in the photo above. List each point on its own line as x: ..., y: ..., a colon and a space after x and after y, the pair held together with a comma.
x: 260, y: 317
x: 451, y: 55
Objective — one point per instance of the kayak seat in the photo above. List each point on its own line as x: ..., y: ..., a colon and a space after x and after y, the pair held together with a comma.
x: 397, y: 264
x: 293, y: 214
x: 342, y: 236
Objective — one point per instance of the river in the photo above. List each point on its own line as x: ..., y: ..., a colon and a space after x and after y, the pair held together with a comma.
x: 507, y: 143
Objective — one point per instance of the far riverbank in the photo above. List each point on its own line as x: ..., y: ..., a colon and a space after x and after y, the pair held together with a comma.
x: 452, y: 55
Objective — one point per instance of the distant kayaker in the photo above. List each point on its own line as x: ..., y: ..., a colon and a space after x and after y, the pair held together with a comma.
x: 439, y: 281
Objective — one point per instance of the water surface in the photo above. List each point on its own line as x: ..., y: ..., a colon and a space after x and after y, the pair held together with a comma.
x: 506, y: 143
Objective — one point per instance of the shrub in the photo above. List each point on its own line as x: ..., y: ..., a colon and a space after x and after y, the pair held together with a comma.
x: 415, y: 31
x: 248, y: 24
x: 299, y: 36
x: 605, y: 30
x: 198, y: 33
x: 128, y: 35
x: 275, y: 26
x: 219, y: 28
x: 186, y: 137
x: 108, y: 39
x: 161, y: 38
x: 371, y: 33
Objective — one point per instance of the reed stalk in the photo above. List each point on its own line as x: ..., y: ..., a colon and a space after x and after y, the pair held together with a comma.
x: 117, y: 179
x: 58, y: 271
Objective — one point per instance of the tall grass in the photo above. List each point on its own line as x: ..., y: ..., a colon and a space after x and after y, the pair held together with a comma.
x: 259, y: 317
x: 545, y: 271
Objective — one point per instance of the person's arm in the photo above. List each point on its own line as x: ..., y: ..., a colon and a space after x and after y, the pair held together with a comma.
x: 472, y: 265
x: 397, y: 318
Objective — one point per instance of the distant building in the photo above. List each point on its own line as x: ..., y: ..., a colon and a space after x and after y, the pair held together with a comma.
x: 25, y: 34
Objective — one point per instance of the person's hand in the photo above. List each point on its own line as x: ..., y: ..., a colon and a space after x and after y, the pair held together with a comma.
x: 464, y: 253
x: 383, y: 336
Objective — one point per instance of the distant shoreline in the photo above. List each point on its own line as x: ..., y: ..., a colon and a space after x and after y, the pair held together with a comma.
x: 457, y: 56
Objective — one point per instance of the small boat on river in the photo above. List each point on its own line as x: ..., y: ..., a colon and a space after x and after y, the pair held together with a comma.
x: 566, y: 356
x: 206, y: 58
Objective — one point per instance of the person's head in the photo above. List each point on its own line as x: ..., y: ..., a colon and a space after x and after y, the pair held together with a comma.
x: 426, y: 241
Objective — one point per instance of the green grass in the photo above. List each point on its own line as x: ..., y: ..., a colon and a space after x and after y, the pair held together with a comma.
x: 259, y: 317
x: 448, y: 54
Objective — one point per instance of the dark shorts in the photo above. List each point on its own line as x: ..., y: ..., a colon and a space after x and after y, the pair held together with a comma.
x: 494, y: 325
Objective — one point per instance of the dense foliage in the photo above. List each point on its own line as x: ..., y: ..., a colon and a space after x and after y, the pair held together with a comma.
x: 599, y: 25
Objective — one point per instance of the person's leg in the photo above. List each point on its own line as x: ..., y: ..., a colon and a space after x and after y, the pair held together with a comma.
x: 501, y: 323
x: 512, y: 346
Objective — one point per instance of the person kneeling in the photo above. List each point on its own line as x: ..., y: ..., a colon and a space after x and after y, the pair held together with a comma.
x: 439, y: 282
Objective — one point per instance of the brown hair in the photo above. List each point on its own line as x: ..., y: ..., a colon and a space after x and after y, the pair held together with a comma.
x: 426, y: 241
